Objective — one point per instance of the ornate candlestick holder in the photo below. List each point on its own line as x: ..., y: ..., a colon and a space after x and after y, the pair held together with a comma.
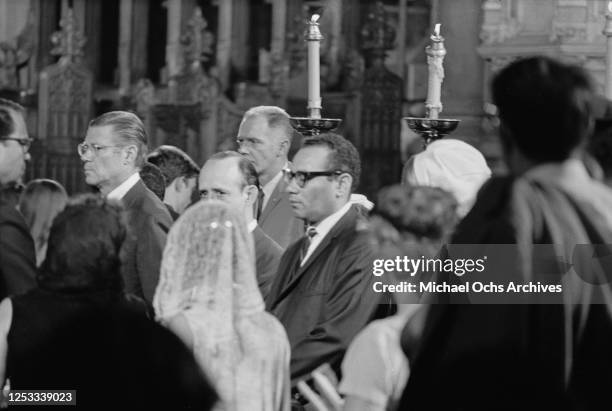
x: 314, y: 124
x: 432, y: 127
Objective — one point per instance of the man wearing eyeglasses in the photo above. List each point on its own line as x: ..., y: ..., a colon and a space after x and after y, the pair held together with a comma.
x: 231, y: 178
x: 264, y: 137
x: 114, y: 149
x: 322, y: 292
x: 17, y: 256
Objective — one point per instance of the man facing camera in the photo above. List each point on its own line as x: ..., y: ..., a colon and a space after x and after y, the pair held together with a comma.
x: 322, y: 291
x: 113, y: 152
x: 230, y: 177
x: 264, y: 137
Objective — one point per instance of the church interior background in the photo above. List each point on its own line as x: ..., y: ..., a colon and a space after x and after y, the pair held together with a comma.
x: 190, y: 68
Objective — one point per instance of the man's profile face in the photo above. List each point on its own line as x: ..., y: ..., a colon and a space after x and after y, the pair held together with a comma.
x: 13, y: 155
x: 102, y: 164
x: 260, y: 143
x: 221, y: 180
x: 316, y: 200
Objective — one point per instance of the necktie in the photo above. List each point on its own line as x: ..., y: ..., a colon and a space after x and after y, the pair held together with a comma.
x: 260, y: 200
x: 310, y: 233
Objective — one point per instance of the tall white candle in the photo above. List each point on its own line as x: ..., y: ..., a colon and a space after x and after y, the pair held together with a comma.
x: 435, y: 56
x: 314, y: 38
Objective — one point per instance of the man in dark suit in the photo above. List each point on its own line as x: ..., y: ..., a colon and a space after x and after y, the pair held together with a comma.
x: 265, y: 137
x: 114, y: 149
x: 230, y: 177
x: 322, y: 292
x: 17, y: 256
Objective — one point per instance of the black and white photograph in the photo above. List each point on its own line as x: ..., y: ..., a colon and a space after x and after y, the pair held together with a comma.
x: 306, y: 205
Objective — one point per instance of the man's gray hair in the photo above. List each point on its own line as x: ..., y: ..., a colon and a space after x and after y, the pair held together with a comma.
x: 276, y: 117
x: 129, y: 127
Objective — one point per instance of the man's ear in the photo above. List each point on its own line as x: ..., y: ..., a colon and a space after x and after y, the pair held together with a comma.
x: 131, y: 153
x: 345, y: 181
x: 284, y: 147
x: 251, y: 192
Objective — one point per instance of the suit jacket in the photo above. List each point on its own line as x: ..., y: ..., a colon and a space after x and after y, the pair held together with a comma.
x: 278, y: 220
x: 267, y: 257
x: 17, y: 255
x: 328, y: 300
x: 149, y: 222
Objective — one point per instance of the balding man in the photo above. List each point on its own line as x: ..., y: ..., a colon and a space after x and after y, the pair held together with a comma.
x: 264, y: 137
x: 113, y: 152
x: 230, y: 177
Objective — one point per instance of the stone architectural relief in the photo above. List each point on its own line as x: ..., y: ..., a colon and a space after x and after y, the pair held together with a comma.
x: 499, y: 24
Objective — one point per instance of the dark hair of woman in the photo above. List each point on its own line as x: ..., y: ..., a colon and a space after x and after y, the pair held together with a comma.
x: 84, y: 251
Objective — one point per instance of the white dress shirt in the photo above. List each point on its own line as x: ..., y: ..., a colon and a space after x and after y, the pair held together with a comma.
x: 269, y: 187
x: 323, y: 228
x: 121, y: 190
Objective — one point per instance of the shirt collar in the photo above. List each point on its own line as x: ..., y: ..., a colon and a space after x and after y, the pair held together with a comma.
x: 269, y: 187
x: 252, y: 225
x: 323, y: 228
x: 121, y: 190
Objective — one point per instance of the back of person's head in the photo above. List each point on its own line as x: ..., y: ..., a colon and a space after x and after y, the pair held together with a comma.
x: 7, y: 124
x: 39, y: 203
x: 173, y: 163
x: 343, y: 155
x: 128, y: 127
x: 451, y: 165
x: 153, y: 178
x: 245, y: 166
x: 115, y: 356
x: 208, y: 264
x: 544, y: 108
x: 418, y: 213
x: 84, y: 251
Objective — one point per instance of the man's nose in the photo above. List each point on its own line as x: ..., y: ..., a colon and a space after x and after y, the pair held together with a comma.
x: 292, y: 187
x: 27, y: 156
x: 241, y: 149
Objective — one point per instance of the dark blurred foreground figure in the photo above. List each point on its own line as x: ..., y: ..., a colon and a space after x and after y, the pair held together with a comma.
x: 118, y: 360
x: 81, y: 273
x: 529, y: 356
x: 17, y: 256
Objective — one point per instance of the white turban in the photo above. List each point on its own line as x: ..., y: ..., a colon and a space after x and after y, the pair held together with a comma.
x: 452, y: 165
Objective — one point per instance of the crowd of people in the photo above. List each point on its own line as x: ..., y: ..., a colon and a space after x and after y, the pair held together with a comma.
x: 247, y: 283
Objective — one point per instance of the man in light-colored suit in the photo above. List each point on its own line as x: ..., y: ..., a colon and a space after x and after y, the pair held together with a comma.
x: 264, y: 137
x: 114, y: 149
x: 230, y: 177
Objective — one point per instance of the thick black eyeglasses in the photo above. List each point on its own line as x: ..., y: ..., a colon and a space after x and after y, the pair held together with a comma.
x: 302, y: 177
x: 25, y: 142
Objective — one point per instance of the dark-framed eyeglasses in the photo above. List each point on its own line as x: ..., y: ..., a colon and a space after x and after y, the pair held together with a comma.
x: 84, y: 148
x: 302, y: 177
x: 24, y: 142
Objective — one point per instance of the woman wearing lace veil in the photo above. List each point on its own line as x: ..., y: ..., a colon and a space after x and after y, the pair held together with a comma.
x: 208, y: 295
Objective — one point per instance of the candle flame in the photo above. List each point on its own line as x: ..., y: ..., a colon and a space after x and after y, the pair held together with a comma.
x: 314, y: 18
x: 437, y: 30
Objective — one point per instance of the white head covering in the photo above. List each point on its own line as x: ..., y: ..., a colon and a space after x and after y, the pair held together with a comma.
x: 452, y: 165
x: 208, y: 275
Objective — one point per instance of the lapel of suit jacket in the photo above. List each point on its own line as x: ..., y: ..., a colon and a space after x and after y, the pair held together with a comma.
x: 275, y: 198
x: 133, y: 194
x: 346, y: 221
